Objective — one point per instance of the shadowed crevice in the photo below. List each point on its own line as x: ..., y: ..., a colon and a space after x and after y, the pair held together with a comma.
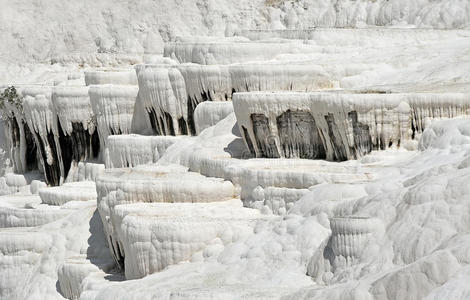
x: 298, y: 135
x: 264, y: 139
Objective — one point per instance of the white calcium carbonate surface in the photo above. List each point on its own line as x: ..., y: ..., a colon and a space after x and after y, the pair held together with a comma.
x: 182, y: 203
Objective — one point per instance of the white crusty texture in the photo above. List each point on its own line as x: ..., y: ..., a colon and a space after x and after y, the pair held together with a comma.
x: 27, y: 211
x: 42, y: 121
x: 211, y: 151
x: 125, y: 77
x: 208, y: 114
x: 416, y: 200
x: 349, y: 235
x: 442, y: 134
x: 204, y: 82
x: 151, y: 184
x: 14, y: 132
x: 113, y: 106
x: 274, y: 199
x: 263, y: 180
x: 225, y: 52
x: 73, y: 191
x: 39, y: 114
x: 20, y: 183
x: 419, y: 199
x: 72, y: 105
x: 162, y: 92
x: 16, y: 180
x: 218, y: 82
x: 84, y: 171
x: 356, y: 247
x: 391, y: 119
x: 35, y: 90
x: 351, y: 36
x: 45, y: 109
x: 36, y: 185
x: 274, y: 256
x: 79, y: 272
x: 158, y: 184
x: 16, y: 149
x: 113, y: 40
x: 31, y: 257
x: 132, y: 150
x: 154, y: 236
x: 19, y: 271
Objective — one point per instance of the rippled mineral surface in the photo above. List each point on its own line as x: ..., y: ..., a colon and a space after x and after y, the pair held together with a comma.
x: 235, y: 149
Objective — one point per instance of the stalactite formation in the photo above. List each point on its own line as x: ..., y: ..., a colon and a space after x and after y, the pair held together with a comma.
x: 337, y: 125
x: 78, y: 146
x: 361, y: 134
x: 339, y: 149
x: 299, y: 136
x: 50, y: 158
x: 22, y: 145
x: 176, y: 90
x: 266, y: 164
x: 77, y: 133
x: 350, y: 235
x: 113, y: 107
x: 125, y: 151
x: 43, y: 123
x: 263, y: 136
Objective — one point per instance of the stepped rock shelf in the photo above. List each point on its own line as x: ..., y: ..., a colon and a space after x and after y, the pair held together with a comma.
x: 160, y: 234
x: 268, y: 164
x: 171, y: 93
x: 337, y: 126
x: 152, y: 184
x: 280, y: 183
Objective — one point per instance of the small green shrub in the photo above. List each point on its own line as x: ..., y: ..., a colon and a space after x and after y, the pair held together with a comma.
x: 10, y: 96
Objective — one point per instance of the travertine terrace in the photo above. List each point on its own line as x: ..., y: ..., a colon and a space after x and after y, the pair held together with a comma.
x: 251, y: 149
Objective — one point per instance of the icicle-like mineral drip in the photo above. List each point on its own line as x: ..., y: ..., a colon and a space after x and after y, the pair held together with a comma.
x: 350, y: 234
x: 338, y: 126
x: 163, y: 94
x: 39, y: 114
x: 113, y: 107
x: 78, y: 136
x: 204, y: 83
x: 170, y: 94
x: 434, y: 106
x: 219, y: 82
x: 356, y: 243
x: 278, y: 77
x: 72, y: 105
x: 132, y: 150
x: 20, y: 142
